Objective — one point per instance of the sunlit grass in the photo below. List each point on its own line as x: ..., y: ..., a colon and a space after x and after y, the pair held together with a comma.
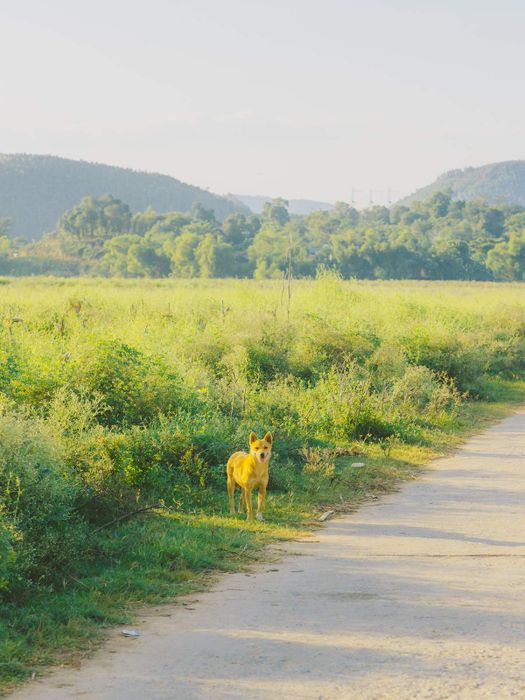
x: 203, y: 332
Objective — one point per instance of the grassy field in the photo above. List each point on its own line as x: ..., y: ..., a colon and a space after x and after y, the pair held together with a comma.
x: 122, y: 395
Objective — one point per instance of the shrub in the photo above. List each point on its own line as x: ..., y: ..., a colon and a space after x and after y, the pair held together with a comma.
x: 347, y: 407
x: 160, y: 461
x: 463, y: 360
x: 267, y: 356
x: 420, y: 391
x: 135, y: 388
x: 386, y: 364
x: 37, y: 505
x: 506, y: 355
x: 26, y: 379
x: 160, y: 458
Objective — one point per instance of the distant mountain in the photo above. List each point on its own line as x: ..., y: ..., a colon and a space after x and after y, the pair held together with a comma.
x: 297, y: 207
x: 497, y: 183
x: 36, y: 190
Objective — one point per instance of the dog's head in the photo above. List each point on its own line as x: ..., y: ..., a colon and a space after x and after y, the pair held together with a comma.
x: 261, y: 449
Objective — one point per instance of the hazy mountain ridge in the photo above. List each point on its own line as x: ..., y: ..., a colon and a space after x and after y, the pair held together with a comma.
x: 36, y: 189
x: 495, y: 183
x: 297, y: 207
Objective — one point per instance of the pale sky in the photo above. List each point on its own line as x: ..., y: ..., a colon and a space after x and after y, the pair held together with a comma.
x: 298, y: 98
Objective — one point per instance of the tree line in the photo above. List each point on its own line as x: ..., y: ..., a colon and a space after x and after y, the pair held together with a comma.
x: 440, y: 238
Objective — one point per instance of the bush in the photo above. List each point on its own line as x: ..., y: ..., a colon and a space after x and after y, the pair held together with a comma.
x: 464, y: 360
x: 160, y: 459
x: 506, y: 355
x: 118, y: 468
x: 346, y: 406
x: 37, y: 505
x: 267, y: 357
x: 420, y: 391
x: 135, y: 388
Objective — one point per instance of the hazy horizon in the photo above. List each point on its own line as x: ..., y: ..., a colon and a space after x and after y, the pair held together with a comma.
x: 264, y: 98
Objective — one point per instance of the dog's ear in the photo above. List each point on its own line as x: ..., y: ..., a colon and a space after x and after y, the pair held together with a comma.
x: 253, y: 438
x: 268, y: 438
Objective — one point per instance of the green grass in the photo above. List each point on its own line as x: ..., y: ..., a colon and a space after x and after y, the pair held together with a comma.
x: 116, y: 394
x: 154, y: 558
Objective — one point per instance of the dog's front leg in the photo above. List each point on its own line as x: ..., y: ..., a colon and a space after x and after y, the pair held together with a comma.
x: 241, y: 501
x: 249, y: 507
x: 261, y: 497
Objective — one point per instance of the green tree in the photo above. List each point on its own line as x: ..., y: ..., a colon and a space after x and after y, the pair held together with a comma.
x: 275, y: 212
x: 200, y: 213
x: 452, y: 260
x: 144, y: 221
x: 439, y: 204
x: 376, y: 215
x: 96, y: 219
x: 181, y: 252
x: 171, y: 223
x: 215, y: 258
x: 269, y: 251
x: 494, y: 222
x: 114, y: 260
x: 344, y: 214
x: 145, y: 260
x: 239, y: 230
x: 507, y: 259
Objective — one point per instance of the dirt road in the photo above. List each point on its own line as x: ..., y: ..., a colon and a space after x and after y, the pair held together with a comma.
x: 418, y: 595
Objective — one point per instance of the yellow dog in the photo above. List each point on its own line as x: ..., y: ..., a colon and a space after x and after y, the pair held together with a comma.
x: 248, y: 471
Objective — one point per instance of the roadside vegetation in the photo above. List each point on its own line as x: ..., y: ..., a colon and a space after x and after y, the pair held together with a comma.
x: 121, y: 400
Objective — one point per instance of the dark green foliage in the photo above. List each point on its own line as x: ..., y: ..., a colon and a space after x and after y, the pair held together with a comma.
x: 436, y: 239
x: 275, y: 212
x: 134, y: 388
x: 266, y: 357
x: 41, y: 535
x: 448, y: 355
x: 94, y: 219
x: 163, y: 459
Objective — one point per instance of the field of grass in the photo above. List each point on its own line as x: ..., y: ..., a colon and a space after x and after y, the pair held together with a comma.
x: 122, y: 395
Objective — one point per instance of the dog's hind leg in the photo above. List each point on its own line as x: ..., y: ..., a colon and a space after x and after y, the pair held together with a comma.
x: 231, y: 493
x: 230, y: 484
